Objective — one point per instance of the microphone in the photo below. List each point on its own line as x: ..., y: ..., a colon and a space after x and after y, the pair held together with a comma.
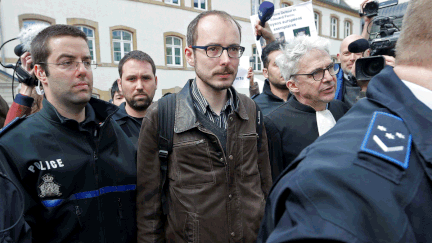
x: 358, y: 46
x: 265, y: 13
x: 26, y: 36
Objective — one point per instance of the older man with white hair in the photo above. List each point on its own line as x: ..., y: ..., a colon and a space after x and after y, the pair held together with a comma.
x: 312, y: 110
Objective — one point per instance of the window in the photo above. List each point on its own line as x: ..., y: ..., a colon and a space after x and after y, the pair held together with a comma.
x: 176, y: 2
x: 317, y: 19
x: 25, y: 20
x: 90, y: 40
x: 336, y: 1
x: 255, y: 6
x: 90, y: 28
x: 122, y: 44
x: 285, y: 4
x: 257, y: 60
x: 174, y: 48
x: 333, y: 27
x: 347, y: 28
x: 27, y: 23
x: 200, y: 4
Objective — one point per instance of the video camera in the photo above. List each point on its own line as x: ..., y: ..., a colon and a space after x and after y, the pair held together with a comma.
x: 384, y: 42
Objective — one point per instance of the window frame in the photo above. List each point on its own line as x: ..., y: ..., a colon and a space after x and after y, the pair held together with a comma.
x: 346, y: 21
x: 252, y: 7
x: 332, y: 16
x: 93, y: 39
x: 288, y: 3
x: 183, y: 46
x: 35, y: 17
x: 173, y: 48
x: 133, y: 41
x: 171, y: 2
x: 256, y: 57
x: 198, y: 8
x: 91, y: 25
x: 319, y: 27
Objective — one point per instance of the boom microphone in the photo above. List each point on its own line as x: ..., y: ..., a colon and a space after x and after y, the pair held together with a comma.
x: 26, y: 36
x: 265, y: 13
x: 358, y: 46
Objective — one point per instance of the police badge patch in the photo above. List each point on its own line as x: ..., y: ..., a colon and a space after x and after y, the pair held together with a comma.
x: 49, y: 188
x: 388, y: 138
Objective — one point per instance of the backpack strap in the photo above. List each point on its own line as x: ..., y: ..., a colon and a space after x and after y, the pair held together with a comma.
x: 166, y: 119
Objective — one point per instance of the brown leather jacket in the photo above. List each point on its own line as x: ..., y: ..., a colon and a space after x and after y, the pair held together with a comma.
x: 213, y: 196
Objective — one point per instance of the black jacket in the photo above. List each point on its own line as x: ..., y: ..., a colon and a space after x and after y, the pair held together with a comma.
x: 372, y: 186
x: 267, y: 101
x: 130, y: 125
x: 291, y: 128
x: 79, y: 180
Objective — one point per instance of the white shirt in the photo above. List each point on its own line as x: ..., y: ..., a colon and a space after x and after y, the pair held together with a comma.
x: 421, y: 93
x: 325, y: 121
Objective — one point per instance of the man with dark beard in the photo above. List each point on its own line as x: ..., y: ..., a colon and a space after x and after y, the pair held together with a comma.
x: 275, y: 91
x: 218, y: 175
x: 138, y: 83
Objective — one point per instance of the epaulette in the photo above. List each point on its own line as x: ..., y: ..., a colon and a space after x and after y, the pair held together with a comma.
x: 388, y: 138
x: 12, y: 124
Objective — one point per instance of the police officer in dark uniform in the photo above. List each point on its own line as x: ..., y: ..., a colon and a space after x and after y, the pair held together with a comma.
x: 369, y: 179
x: 76, y: 166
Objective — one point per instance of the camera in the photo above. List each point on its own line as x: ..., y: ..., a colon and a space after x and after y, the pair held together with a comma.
x: 371, y: 9
x: 368, y: 67
x: 23, y: 75
x: 384, y: 44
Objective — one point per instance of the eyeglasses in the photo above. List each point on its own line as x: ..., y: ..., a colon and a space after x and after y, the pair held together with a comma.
x: 214, y: 51
x: 318, y: 75
x: 71, y: 65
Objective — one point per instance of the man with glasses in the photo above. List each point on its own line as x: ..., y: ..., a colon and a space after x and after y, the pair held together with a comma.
x: 311, y: 111
x: 75, y: 164
x: 218, y: 174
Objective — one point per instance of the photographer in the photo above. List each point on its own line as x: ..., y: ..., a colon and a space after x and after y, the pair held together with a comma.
x: 24, y: 101
x: 349, y: 90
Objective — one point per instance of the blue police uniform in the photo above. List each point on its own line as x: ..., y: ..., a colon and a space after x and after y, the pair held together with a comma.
x: 79, y: 179
x: 130, y: 125
x: 366, y: 180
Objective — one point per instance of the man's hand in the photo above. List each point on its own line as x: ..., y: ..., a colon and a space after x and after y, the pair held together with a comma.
x: 26, y: 62
x: 367, y: 26
x: 250, y: 76
x: 389, y: 60
x: 265, y: 32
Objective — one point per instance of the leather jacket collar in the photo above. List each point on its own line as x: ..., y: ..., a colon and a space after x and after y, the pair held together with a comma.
x: 185, y: 117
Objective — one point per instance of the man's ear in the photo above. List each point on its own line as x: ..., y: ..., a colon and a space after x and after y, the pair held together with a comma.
x: 156, y: 82
x: 119, y: 84
x: 338, y: 57
x: 190, y: 58
x: 40, y: 74
x: 292, y: 86
x: 265, y: 72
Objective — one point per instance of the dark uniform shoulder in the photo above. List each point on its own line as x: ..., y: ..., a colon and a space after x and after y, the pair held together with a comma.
x: 11, y: 125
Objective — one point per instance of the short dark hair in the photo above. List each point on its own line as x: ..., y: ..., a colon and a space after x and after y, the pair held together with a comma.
x: 136, y: 55
x: 192, y: 34
x: 114, y: 89
x: 268, y: 49
x: 40, y: 50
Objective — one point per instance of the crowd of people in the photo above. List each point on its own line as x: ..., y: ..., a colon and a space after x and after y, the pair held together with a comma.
x: 316, y: 156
